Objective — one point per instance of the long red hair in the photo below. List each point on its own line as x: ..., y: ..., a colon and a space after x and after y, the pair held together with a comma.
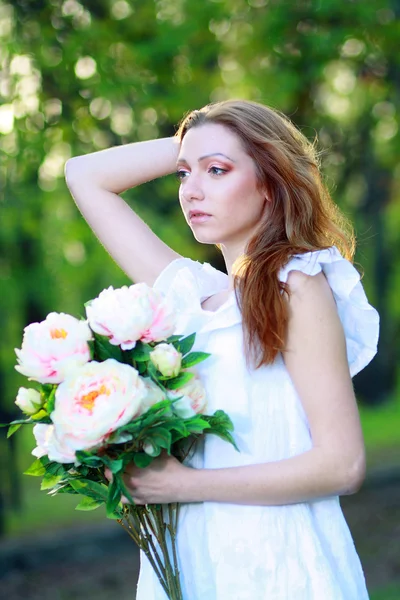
x: 301, y: 216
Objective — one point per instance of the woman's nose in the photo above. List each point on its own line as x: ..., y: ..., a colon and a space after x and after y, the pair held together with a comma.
x: 192, y: 190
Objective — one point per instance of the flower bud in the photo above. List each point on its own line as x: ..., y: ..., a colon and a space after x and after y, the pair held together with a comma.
x: 28, y: 400
x: 167, y: 359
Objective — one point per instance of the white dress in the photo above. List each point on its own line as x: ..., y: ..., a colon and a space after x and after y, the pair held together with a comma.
x: 299, y: 551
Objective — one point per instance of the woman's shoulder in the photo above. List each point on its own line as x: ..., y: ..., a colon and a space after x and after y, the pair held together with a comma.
x: 316, y: 272
x: 312, y: 263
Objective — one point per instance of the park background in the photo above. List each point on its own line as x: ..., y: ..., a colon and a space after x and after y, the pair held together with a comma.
x: 76, y: 77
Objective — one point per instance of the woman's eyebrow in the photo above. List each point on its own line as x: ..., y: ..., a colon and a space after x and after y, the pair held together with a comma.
x: 182, y: 160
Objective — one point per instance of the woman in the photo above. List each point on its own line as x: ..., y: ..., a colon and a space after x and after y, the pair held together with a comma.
x: 287, y: 327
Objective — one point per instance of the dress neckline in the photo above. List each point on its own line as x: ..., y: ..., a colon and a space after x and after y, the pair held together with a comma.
x: 220, y: 307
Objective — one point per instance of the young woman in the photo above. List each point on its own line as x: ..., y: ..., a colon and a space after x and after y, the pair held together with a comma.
x: 287, y: 328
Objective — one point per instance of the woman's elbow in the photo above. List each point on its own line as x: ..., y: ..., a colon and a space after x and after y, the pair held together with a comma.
x: 354, y: 476
x: 73, y: 171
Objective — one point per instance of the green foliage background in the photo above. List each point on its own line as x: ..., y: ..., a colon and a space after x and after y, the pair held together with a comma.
x: 76, y: 77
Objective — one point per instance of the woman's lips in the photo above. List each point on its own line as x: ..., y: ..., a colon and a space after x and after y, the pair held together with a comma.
x: 199, y: 217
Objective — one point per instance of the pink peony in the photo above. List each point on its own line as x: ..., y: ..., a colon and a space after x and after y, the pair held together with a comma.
x: 54, y: 348
x: 129, y: 314
x: 193, y: 399
x: 93, y: 403
x: 163, y: 320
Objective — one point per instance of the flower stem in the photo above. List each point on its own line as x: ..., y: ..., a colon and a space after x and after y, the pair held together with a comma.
x: 173, y: 585
x: 146, y: 525
x: 148, y: 537
x: 172, y: 532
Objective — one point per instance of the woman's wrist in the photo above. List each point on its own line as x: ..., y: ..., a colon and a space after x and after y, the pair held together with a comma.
x: 192, y: 487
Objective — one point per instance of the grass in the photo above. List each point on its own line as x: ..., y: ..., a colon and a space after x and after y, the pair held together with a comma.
x: 390, y: 592
x: 381, y: 429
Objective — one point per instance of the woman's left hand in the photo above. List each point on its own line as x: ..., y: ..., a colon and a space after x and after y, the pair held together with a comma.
x: 162, y: 482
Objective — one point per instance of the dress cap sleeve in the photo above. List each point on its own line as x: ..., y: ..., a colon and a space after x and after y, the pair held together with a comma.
x: 200, y: 279
x: 359, y: 319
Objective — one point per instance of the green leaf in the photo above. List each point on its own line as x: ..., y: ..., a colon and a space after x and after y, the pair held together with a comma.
x: 174, y: 338
x: 87, y: 458
x: 104, y: 350
x: 62, y: 488
x: 184, y: 346
x: 142, y: 460
x: 41, y: 417
x: 51, y: 400
x: 197, y: 424
x: 125, y: 490
x: 86, y: 487
x: 161, y: 437
x: 142, y: 368
x: 113, y: 498
x: 18, y: 422
x: 49, y: 481
x: 141, y: 352
x: 180, y: 381
x: 152, y: 371
x: 220, y: 419
x: 12, y: 429
x: 193, y: 359
x: 91, y: 349
x: 88, y: 504
x: 115, y: 465
x: 221, y: 425
x: 37, y: 468
x: 55, y: 468
x: 178, y: 425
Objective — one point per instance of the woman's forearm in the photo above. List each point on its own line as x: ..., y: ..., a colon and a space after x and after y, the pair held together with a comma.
x: 122, y: 167
x: 298, y: 479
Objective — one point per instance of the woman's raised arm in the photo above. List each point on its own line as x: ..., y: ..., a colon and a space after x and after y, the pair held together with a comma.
x: 96, y: 180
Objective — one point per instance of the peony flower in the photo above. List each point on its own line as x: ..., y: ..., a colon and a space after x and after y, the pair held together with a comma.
x: 129, y: 314
x: 49, y: 445
x: 153, y: 395
x: 53, y: 348
x: 122, y: 315
x: 28, y: 400
x: 193, y: 399
x: 92, y: 403
x: 167, y: 359
x: 164, y: 318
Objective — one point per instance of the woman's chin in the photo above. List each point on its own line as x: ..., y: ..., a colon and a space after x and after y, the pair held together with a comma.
x: 203, y: 238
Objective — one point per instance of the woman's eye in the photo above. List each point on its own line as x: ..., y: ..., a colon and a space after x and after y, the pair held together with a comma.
x: 181, y: 174
x: 217, y: 171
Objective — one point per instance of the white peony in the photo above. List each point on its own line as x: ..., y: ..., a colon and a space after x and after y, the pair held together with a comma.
x: 49, y: 445
x: 53, y: 348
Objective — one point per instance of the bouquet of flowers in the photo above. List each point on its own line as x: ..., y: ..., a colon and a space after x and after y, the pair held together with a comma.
x: 115, y: 388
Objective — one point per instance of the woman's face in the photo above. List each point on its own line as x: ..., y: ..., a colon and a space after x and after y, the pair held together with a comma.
x: 219, y: 179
